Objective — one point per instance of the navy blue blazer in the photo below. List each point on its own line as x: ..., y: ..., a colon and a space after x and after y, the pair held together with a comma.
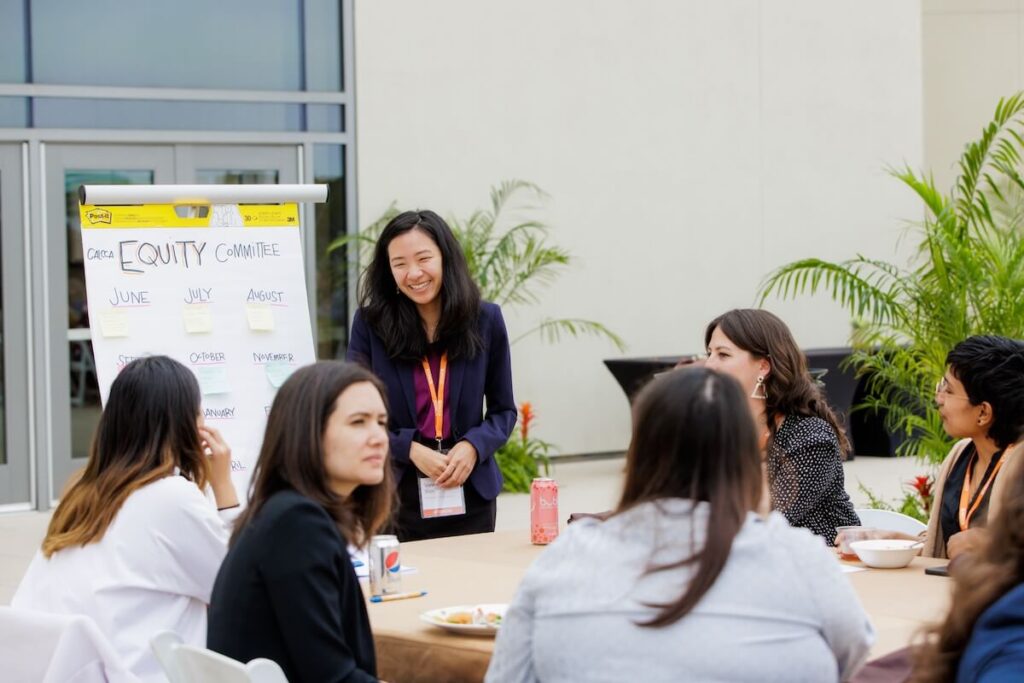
x: 995, y: 652
x: 488, y: 375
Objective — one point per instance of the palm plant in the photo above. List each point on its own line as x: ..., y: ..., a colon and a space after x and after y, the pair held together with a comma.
x: 965, y: 278
x: 510, y: 263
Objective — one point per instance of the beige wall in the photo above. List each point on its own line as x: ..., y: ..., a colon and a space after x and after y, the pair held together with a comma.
x: 973, y: 55
x: 688, y: 148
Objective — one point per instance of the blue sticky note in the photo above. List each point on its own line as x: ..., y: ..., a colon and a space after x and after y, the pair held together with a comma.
x: 213, y: 379
x: 278, y: 371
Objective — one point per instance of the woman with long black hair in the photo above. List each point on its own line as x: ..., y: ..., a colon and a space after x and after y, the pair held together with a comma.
x: 685, y: 580
x: 135, y: 544
x: 442, y: 353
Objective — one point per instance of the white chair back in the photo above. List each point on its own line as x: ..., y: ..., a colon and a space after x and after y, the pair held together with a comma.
x: 38, y: 646
x: 190, y: 664
x: 892, y: 521
x: 164, y: 644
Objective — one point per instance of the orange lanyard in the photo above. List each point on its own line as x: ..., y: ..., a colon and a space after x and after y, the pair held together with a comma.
x: 437, y: 395
x: 965, y: 490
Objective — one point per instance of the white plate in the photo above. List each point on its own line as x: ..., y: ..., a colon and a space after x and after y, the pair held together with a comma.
x: 437, y: 617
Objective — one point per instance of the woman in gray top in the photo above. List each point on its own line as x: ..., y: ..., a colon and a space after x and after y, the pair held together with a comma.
x: 685, y: 581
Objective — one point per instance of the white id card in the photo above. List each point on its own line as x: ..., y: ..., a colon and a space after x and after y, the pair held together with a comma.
x: 438, y: 502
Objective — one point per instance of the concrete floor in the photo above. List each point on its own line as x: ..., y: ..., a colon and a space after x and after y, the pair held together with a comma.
x: 584, y: 486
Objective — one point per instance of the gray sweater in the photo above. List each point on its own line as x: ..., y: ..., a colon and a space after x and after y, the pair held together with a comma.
x: 781, y: 610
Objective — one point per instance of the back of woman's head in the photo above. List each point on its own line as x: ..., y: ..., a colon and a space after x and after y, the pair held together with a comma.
x: 694, y: 438
x: 788, y: 385
x: 148, y: 427
x: 980, y: 579
x: 292, y: 455
x: 395, y: 319
x: 991, y: 369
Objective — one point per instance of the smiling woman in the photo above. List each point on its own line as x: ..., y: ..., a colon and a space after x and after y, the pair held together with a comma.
x: 981, y: 402
x: 441, y: 352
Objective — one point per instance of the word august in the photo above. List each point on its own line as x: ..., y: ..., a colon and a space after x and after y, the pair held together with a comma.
x: 136, y: 256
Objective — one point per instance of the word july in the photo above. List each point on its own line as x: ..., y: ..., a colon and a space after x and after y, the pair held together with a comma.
x: 136, y: 256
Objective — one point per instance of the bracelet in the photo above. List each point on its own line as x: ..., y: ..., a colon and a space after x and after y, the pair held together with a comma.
x: 228, y: 507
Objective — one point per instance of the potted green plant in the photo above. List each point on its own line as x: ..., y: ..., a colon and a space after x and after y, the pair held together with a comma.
x: 966, y: 278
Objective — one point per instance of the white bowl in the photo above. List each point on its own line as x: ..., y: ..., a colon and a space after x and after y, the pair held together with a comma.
x: 886, y: 553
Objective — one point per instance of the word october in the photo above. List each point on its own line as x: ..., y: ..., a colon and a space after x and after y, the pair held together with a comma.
x: 135, y: 255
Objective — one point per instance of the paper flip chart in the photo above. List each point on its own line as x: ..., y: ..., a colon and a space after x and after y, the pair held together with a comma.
x: 198, y: 319
x: 260, y: 316
x: 213, y: 379
x: 113, y: 323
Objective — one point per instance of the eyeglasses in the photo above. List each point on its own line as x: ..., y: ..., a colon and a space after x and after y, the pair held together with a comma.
x: 942, y: 389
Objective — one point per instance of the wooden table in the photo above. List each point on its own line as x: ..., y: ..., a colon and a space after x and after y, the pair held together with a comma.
x: 487, y: 568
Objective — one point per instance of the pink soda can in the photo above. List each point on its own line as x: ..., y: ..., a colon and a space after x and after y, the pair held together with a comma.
x: 543, y: 511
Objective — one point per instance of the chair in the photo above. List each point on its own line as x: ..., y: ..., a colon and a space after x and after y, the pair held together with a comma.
x: 56, y: 648
x: 164, y: 644
x: 893, y: 521
x: 187, y: 663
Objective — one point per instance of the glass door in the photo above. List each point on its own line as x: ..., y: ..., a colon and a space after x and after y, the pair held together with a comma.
x: 15, y: 466
x: 75, y: 397
x: 75, y: 400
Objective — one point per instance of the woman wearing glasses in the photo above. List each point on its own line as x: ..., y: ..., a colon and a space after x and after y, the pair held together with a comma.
x: 981, y: 403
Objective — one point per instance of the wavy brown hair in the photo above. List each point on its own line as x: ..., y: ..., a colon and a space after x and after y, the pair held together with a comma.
x: 292, y: 455
x: 979, y: 579
x: 791, y: 389
x: 694, y: 438
x: 148, y: 427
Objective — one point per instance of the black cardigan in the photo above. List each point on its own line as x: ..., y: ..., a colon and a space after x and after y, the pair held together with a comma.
x: 287, y: 592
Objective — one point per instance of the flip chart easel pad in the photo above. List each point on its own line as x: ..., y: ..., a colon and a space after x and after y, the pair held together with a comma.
x: 144, y: 265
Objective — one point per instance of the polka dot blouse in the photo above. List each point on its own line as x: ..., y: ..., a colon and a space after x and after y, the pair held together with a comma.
x: 805, y: 474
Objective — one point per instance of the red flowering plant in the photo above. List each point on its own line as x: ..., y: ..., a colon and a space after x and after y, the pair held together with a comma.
x: 917, y: 498
x: 522, y: 457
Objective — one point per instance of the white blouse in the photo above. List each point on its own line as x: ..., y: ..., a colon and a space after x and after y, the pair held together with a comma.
x: 152, y: 571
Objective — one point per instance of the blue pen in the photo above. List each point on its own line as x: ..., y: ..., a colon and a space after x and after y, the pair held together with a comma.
x: 357, y: 563
x: 397, y: 596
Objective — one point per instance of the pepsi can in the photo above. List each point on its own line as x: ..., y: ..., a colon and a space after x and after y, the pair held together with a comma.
x: 385, y: 565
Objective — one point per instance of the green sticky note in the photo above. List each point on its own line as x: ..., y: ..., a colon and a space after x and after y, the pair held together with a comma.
x: 213, y: 379
x: 278, y: 371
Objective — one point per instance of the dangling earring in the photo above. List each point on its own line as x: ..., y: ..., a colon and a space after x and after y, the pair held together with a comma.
x: 759, y: 391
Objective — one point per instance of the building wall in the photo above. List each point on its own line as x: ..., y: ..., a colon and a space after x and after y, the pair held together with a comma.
x: 973, y: 55
x: 688, y: 149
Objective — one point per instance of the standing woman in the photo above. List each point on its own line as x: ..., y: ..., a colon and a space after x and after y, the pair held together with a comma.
x: 441, y: 352
x: 803, y: 441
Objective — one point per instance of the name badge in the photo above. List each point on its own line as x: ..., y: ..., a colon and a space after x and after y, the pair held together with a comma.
x: 438, y: 502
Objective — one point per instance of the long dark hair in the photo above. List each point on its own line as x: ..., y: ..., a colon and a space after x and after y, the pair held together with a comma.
x: 980, y: 579
x: 395, y: 319
x: 694, y: 437
x: 991, y: 369
x: 790, y: 388
x: 148, y: 427
x: 292, y: 453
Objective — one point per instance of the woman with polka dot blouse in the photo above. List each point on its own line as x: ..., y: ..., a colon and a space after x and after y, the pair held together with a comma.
x: 802, y: 441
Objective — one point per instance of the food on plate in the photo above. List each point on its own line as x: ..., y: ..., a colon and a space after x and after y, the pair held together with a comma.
x: 459, y: 618
x: 477, y: 617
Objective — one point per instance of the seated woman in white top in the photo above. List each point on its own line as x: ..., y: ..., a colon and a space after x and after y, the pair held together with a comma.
x: 685, y: 581
x: 134, y: 543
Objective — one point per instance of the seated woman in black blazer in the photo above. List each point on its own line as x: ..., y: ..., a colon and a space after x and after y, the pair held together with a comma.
x: 287, y: 590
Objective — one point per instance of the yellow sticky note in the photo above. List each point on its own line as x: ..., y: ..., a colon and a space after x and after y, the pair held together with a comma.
x: 113, y: 323
x: 198, y: 319
x: 260, y: 316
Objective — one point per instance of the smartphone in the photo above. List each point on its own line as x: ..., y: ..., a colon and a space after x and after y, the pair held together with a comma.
x: 937, y: 571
